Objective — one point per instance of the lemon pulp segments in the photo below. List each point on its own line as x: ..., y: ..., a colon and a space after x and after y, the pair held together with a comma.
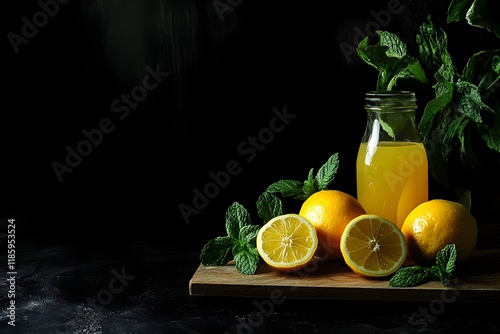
x: 287, y: 242
x: 373, y: 246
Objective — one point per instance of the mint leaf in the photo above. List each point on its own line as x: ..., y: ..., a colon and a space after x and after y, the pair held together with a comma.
x: 496, y: 63
x: 467, y: 154
x: 451, y: 131
x: 416, y: 275
x: 269, y: 206
x: 248, y: 235
x: 484, y: 14
x: 491, y: 135
x: 236, y: 217
x: 445, y: 76
x: 287, y: 188
x: 458, y: 10
x: 327, y: 172
x: 464, y: 197
x: 469, y: 102
x: 322, y: 179
x: 410, y: 276
x: 482, y: 63
x: 396, y: 48
x: 445, y: 263
x: 433, y: 45
x: 217, y: 252
x: 309, y: 186
x: 446, y: 258
x: 247, y: 260
x: 432, y: 109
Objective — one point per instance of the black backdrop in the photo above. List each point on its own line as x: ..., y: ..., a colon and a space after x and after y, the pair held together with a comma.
x: 232, y: 67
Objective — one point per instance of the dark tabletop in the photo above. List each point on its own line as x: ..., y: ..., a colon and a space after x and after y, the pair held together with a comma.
x: 144, y: 288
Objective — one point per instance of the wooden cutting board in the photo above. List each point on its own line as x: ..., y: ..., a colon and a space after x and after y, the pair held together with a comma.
x: 476, y: 280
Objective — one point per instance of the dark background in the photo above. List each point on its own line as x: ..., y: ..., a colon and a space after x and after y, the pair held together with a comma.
x: 226, y: 78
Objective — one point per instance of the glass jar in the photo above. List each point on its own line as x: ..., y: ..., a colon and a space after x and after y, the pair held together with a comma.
x: 391, y: 166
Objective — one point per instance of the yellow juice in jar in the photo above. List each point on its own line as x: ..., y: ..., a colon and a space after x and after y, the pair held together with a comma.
x: 392, y: 178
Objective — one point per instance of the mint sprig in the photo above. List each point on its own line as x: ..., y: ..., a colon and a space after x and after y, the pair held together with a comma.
x: 389, y: 58
x: 416, y: 275
x: 239, y: 243
x: 302, y: 190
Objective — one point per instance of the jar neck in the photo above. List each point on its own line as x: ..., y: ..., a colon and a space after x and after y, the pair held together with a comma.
x: 391, y: 116
x: 390, y: 101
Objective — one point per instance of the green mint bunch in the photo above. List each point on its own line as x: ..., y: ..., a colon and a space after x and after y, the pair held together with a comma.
x: 390, y: 59
x: 416, y: 275
x: 239, y: 243
x: 464, y: 102
x: 462, y: 121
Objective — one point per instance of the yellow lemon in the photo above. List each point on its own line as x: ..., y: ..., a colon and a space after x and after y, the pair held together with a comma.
x: 433, y: 224
x: 330, y: 211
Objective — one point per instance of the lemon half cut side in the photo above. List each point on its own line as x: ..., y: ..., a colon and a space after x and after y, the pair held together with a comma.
x: 287, y: 242
x: 373, y: 246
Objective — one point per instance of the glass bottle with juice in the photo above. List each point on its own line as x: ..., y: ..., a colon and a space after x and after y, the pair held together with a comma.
x: 391, y: 166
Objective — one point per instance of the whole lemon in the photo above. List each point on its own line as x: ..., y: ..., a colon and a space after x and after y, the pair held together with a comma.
x: 433, y: 224
x: 330, y: 211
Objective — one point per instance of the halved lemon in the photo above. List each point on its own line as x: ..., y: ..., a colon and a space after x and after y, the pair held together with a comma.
x: 287, y: 242
x: 373, y: 246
